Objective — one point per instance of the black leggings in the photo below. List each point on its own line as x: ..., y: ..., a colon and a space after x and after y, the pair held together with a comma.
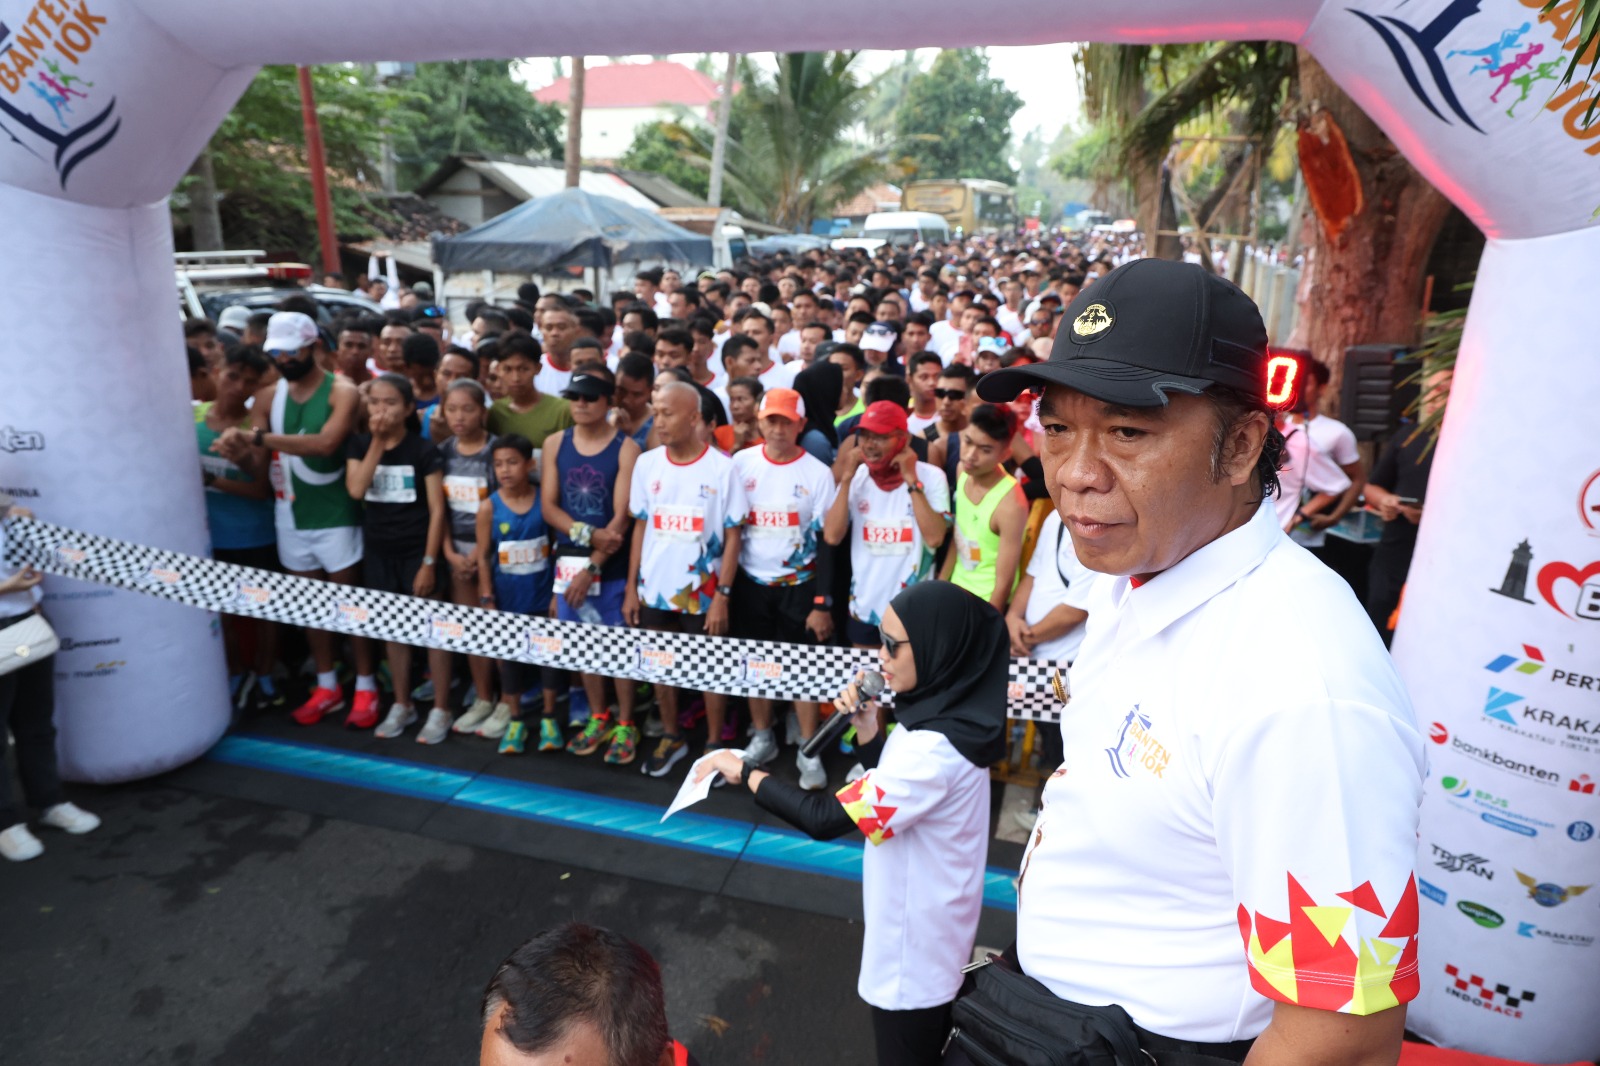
x: 910, y: 1037
x: 27, y: 706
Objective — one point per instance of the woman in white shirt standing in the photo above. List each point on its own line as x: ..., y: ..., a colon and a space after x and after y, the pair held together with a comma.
x: 27, y: 709
x: 923, y: 805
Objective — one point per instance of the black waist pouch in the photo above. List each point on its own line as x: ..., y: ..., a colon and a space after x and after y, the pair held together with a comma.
x: 1006, y: 1018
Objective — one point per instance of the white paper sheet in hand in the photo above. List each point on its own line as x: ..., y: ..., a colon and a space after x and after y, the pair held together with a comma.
x: 690, y: 793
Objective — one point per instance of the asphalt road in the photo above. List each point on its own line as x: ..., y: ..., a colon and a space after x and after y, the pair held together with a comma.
x: 199, y: 929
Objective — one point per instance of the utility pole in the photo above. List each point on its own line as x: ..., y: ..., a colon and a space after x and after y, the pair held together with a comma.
x: 719, y: 147
x: 319, y: 175
x: 575, y: 123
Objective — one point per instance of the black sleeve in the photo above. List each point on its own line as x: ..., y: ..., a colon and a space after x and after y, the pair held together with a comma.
x: 819, y: 815
x: 869, y: 753
x: 356, y: 445
x: 1386, y: 472
x: 824, y: 579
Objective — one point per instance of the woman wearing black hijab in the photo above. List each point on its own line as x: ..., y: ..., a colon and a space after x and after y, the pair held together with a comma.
x: 819, y: 385
x: 923, y: 806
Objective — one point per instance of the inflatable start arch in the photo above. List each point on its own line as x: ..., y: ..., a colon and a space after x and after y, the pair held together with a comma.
x: 105, y: 103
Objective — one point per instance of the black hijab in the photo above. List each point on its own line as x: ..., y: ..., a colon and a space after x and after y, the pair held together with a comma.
x: 962, y: 652
x: 819, y: 385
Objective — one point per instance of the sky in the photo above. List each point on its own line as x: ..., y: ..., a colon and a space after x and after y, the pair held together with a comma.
x: 1043, y: 75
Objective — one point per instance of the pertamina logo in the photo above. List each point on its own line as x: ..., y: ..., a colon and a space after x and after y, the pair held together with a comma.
x: 1493, y: 997
x: 1530, y: 665
x: 1535, y: 663
x: 47, y: 106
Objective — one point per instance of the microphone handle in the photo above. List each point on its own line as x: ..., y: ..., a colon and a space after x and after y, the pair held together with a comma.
x: 831, y: 730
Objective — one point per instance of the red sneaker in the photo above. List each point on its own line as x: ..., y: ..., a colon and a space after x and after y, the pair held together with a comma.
x: 323, y: 702
x: 363, y: 711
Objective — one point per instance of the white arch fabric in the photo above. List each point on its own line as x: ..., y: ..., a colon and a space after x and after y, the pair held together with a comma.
x: 104, y: 104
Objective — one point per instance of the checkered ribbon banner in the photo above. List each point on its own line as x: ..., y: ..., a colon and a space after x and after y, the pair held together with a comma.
x: 698, y: 663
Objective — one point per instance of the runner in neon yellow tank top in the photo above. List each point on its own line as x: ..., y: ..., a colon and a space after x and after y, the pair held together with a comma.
x: 990, y: 513
x: 302, y: 422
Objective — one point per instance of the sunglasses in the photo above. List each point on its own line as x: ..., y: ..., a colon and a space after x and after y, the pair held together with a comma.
x: 950, y: 394
x: 891, y: 645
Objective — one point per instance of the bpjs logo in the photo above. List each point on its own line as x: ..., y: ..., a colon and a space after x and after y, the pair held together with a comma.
x: 20, y: 440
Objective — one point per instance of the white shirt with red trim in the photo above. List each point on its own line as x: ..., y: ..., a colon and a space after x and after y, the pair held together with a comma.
x: 787, y: 504
x: 1236, y: 819
x: 551, y: 380
x: 924, y: 810
x: 887, y: 552
x: 685, y: 508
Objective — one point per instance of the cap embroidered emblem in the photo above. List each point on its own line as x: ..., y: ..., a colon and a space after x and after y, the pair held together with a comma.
x: 1095, y: 319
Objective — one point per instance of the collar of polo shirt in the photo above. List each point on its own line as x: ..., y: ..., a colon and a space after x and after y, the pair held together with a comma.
x: 1179, y: 589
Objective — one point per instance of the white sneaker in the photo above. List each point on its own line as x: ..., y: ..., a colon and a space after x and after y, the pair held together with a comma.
x: 763, y: 747
x: 494, y: 727
x: 438, y: 727
x: 1025, y: 820
x: 791, y: 729
x: 71, y: 818
x: 813, y: 778
x: 653, y: 726
x: 19, y: 844
x: 400, y: 716
x: 857, y: 772
x: 474, y: 716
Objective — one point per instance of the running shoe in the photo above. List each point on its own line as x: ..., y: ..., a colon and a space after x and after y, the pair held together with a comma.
x: 322, y: 702
x: 791, y: 729
x: 243, y: 691
x: 18, y: 843
x: 400, y: 717
x: 515, y: 741
x: 423, y: 692
x: 669, y: 750
x: 578, y: 708
x: 624, y: 746
x: 473, y: 717
x: 763, y: 747
x: 437, y: 727
x: 857, y: 772
x: 495, y: 725
x: 363, y: 710
x: 652, y: 725
x: 70, y: 818
x: 595, y: 732
x: 813, y: 778
x: 550, y: 738
x: 689, y: 717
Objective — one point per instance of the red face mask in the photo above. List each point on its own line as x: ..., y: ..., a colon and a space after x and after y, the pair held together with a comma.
x: 885, y: 473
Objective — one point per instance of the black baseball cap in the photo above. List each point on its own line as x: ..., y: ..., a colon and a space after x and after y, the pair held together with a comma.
x: 1147, y: 328
x: 589, y: 387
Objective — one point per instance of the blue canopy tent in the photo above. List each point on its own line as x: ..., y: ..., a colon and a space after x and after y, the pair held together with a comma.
x: 571, y: 228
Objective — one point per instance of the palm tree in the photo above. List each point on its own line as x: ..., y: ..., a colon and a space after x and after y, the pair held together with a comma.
x: 791, y: 155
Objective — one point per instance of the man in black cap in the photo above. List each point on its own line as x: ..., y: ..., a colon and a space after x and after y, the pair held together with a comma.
x: 1228, y: 849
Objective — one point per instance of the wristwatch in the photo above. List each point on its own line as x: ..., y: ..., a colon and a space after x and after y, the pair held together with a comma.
x: 428, y: 560
x: 725, y: 590
x: 258, y: 436
x: 822, y: 603
x: 592, y: 568
x: 914, y: 486
x: 750, y: 766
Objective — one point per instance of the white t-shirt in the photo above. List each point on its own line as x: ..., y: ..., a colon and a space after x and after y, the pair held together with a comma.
x: 1010, y: 321
x: 787, y: 504
x: 551, y: 380
x: 944, y: 339
x: 1223, y: 835
x: 887, y: 552
x: 685, y: 508
x: 917, y: 301
x: 924, y: 810
x: 1053, y: 559
x: 1306, y: 469
x: 780, y: 375
x: 915, y: 423
x: 1334, y: 440
x: 789, y: 345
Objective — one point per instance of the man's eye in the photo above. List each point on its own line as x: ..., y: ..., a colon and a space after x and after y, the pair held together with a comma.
x: 1054, y: 429
x: 1127, y: 433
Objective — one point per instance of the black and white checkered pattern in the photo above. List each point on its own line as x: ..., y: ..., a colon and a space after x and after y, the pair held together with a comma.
x: 698, y: 663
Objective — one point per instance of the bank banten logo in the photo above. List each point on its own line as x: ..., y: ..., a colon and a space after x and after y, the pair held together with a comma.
x: 20, y: 440
x: 1546, y: 894
x: 47, y: 107
x: 1490, y: 757
x: 1530, y: 665
x: 1495, y: 706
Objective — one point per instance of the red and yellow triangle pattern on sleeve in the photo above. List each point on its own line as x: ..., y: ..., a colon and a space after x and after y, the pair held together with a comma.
x: 1319, y: 959
x: 863, y: 802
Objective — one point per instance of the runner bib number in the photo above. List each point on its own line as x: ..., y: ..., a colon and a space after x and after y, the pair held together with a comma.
x: 569, y: 567
x: 679, y: 522
x: 279, y: 477
x: 967, y: 552
x: 393, y: 484
x: 520, y: 557
x: 773, y: 523
x: 217, y: 466
x: 888, y: 538
x: 464, y: 493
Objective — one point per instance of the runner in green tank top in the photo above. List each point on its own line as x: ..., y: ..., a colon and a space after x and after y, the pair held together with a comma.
x: 302, y: 423
x: 989, y: 510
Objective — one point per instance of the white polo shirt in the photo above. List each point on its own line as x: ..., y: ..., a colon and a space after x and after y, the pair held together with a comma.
x: 1058, y: 579
x: 1235, y: 822
x: 1337, y: 442
x: 1307, y: 469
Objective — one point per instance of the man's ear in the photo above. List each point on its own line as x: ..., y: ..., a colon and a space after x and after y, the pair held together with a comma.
x: 1243, y: 445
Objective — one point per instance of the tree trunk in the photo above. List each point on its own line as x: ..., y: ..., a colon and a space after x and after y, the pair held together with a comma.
x: 205, y: 218
x: 1154, y: 209
x: 1375, y: 221
x: 574, y: 158
x: 719, y: 147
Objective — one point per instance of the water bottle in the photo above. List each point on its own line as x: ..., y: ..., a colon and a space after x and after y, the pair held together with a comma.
x: 588, y: 612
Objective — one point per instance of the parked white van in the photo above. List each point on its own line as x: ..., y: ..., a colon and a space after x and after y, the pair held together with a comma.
x: 898, y: 228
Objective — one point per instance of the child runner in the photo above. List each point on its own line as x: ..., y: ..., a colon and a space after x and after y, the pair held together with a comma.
x: 514, y: 574
x: 588, y: 471
x: 466, y: 454
x: 400, y: 477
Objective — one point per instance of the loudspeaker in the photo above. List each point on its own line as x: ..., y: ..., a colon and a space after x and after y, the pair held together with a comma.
x: 1370, y: 395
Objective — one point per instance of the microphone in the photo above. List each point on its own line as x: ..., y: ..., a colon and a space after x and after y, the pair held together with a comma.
x: 831, y: 730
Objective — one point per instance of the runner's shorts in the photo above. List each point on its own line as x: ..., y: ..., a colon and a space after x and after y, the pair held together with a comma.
x: 329, y: 550
x: 774, y: 613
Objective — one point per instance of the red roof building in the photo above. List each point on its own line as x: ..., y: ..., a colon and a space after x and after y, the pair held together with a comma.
x: 620, y: 97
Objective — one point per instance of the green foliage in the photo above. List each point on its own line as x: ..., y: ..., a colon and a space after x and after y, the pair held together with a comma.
x: 661, y: 148
x: 259, y: 156
x: 1435, y: 360
x: 955, y: 120
x: 788, y: 154
x: 469, y: 106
